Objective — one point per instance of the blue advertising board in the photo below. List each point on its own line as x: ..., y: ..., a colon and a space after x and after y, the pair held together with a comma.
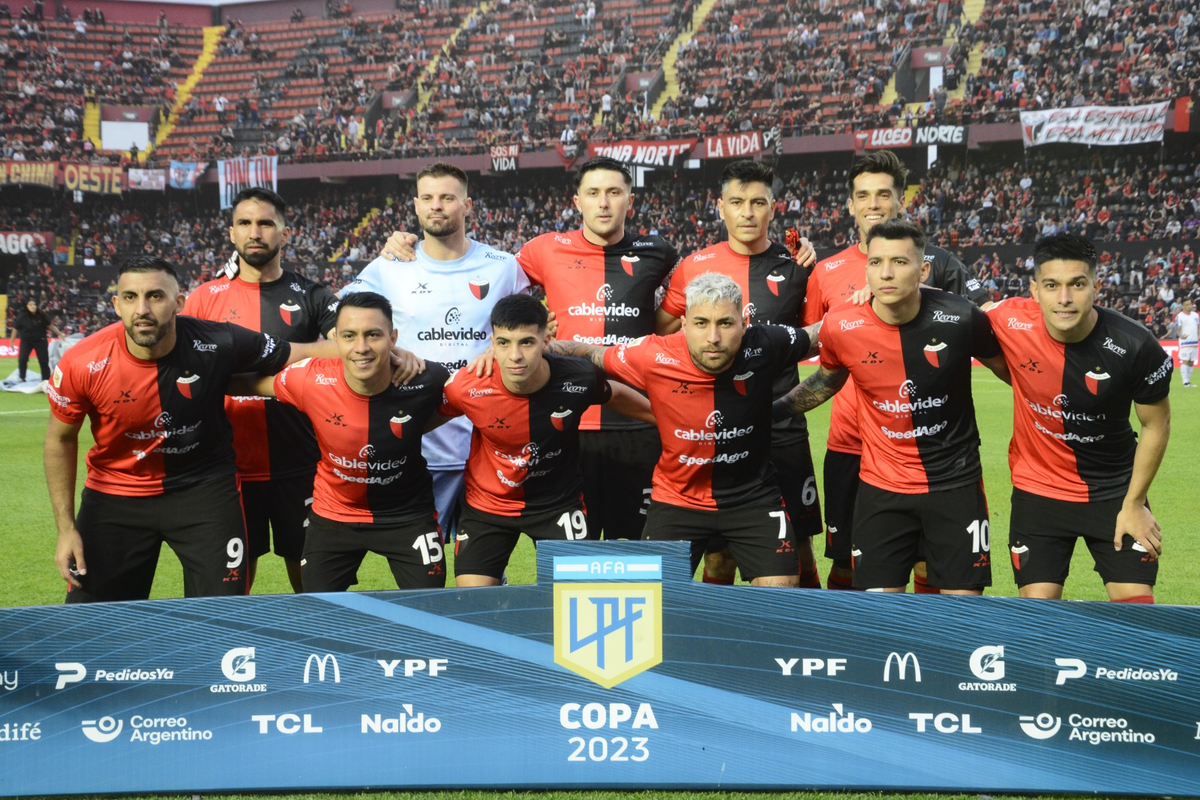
x: 615, y: 670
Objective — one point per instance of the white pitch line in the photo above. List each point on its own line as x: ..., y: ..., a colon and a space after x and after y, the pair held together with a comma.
x: 27, y: 411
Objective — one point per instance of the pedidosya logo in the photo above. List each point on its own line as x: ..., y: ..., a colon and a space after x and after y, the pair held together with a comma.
x: 608, y: 632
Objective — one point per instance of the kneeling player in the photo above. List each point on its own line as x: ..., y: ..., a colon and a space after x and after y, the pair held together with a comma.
x: 523, y: 470
x: 373, y: 492
x: 921, y: 477
x: 1078, y: 470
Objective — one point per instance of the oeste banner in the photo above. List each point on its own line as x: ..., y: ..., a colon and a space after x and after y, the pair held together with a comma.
x: 614, y: 671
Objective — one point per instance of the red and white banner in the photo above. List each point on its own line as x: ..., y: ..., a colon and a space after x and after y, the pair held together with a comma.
x: 42, y: 173
x: 662, y: 153
x: 150, y: 180
x: 1095, y: 125
x: 734, y: 145
x: 16, y: 242
x: 245, y: 173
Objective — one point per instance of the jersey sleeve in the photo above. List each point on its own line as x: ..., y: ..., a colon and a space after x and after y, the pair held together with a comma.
x: 452, y: 394
x: 66, y: 394
x: 601, y: 389
x: 630, y: 361
x: 192, y: 307
x: 369, y: 280
x: 790, y: 344
x: 828, y: 353
x: 960, y: 281
x: 528, y: 259
x: 1153, y: 367
x: 813, y: 312
x: 290, y: 383
x: 323, y: 304
x: 675, y: 302
x: 258, y: 352
x: 983, y: 339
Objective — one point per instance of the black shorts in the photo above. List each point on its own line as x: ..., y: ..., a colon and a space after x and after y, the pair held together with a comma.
x: 122, y: 537
x: 889, y: 529
x: 485, y: 541
x: 841, y: 488
x: 760, y: 538
x: 1042, y: 534
x: 278, y: 507
x: 334, y: 550
x: 797, y: 478
x: 617, y: 468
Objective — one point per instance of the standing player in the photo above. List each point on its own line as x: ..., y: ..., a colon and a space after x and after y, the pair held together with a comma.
x: 1187, y: 327
x: 162, y: 468
x: 1078, y: 469
x: 523, y: 471
x: 876, y: 184
x: 773, y: 286
x: 373, y: 492
x: 276, y: 451
x: 909, y: 352
x: 715, y: 477
x: 441, y: 307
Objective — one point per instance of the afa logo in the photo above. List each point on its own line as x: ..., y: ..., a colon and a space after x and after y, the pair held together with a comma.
x: 608, y: 632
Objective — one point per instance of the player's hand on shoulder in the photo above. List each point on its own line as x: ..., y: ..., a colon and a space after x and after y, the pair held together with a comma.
x: 401, y: 246
x: 405, y: 366
x: 483, y: 364
x: 551, y: 325
x: 861, y: 296
x: 1139, y: 523
x: 805, y: 254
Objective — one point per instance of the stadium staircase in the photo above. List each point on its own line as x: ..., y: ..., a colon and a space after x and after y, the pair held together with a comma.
x: 183, y: 93
x: 91, y: 123
x: 972, y: 10
x: 363, y: 225
x: 425, y: 82
x: 671, y: 91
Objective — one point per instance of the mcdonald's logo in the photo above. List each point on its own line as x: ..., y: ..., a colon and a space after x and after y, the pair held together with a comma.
x: 322, y: 662
x: 902, y: 662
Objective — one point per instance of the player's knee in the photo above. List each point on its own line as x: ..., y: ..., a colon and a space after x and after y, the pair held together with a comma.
x: 719, y: 564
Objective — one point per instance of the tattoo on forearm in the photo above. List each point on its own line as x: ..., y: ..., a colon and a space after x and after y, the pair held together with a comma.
x: 814, y: 390
x: 565, y: 347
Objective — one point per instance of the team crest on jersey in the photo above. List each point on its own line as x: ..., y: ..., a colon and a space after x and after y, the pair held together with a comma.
x: 185, y: 385
x: 397, y: 423
x: 1094, y: 380
x: 627, y: 263
x: 607, y: 632
x: 559, y: 418
x: 1020, y: 556
x: 774, y: 281
x: 739, y: 382
x: 479, y: 288
x: 933, y: 352
x: 286, y: 309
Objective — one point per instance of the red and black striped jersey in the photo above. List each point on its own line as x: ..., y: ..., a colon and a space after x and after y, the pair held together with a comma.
x: 915, y: 409
x: 773, y: 290
x: 601, y: 295
x: 371, y: 467
x: 271, y: 440
x: 715, y: 429
x: 525, y: 448
x: 1071, y: 434
x: 159, y: 426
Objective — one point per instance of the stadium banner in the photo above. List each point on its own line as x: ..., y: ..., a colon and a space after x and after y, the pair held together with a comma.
x: 237, y: 174
x: 734, y: 145
x: 149, y: 180
x: 891, y: 138
x: 41, y: 173
x: 185, y: 174
x: 658, y: 153
x: 9, y: 348
x: 504, y: 157
x: 615, y: 670
x: 93, y: 178
x: 1095, y: 125
x: 14, y: 243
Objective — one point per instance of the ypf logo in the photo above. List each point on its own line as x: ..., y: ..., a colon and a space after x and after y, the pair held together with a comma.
x: 1043, y: 726
x: 987, y: 663
x: 102, y: 730
x: 608, y: 633
x: 238, y: 664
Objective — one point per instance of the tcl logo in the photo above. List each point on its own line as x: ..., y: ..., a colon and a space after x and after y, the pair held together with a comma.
x: 944, y: 723
x: 286, y: 723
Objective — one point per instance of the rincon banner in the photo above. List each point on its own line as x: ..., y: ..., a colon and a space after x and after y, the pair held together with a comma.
x: 244, y: 173
x: 1095, y: 125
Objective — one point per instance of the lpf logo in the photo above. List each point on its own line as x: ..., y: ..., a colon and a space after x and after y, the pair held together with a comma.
x: 608, y: 632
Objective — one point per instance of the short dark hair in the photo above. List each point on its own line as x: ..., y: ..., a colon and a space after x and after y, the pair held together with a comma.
x: 365, y: 300
x: 264, y: 195
x: 606, y: 163
x: 880, y: 162
x: 747, y: 171
x: 143, y: 263
x: 1065, y: 247
x: 519, y: 310
x: 440, y: 169
x: 895, y: 230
